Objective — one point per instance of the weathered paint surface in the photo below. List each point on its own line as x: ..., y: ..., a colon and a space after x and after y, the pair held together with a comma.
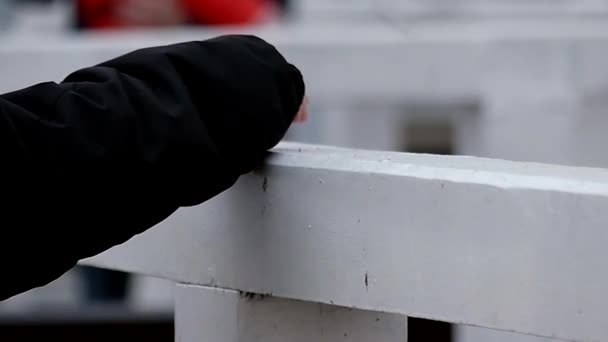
x: 210, y: 314
x: 505, y: 245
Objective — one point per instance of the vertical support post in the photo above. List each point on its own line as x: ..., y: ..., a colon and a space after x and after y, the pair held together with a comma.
x: 523, y: 129
x: 215, y: 315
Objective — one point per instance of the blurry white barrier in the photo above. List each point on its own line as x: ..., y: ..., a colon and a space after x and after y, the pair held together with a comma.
x: 6, y: 14
x: 335, y: 10
x: 540, y: 88
x: 505, y: 245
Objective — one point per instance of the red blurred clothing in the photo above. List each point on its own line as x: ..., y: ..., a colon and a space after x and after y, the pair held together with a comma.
x: 100, y: 13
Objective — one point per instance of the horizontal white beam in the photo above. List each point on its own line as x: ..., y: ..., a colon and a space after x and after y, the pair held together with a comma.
x: 379, y: 62
x: 447, y: 9
x: 498, y: 244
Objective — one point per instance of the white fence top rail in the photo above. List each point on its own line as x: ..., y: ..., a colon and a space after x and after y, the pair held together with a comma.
x: 384, y: 63
x: 498, y: 244
x: 413, y: 9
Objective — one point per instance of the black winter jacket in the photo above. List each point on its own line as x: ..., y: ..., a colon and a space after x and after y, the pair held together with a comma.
x: 116, y: 148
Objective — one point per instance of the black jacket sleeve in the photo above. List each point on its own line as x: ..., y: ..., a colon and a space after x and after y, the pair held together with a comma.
x: 116, y: 148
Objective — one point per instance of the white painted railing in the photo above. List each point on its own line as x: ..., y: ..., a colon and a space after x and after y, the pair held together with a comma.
x: 537, y: 88
x: 323, y: 243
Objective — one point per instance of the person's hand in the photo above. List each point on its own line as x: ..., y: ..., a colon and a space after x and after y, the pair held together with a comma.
x: 302, y: 115
x: 150, y: 13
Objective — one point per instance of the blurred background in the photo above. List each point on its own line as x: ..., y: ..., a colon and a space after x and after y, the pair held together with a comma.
x: 513, y: 79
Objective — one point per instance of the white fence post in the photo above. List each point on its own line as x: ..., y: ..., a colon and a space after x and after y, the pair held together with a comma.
x: 216, y: 315
x: 525, y: 129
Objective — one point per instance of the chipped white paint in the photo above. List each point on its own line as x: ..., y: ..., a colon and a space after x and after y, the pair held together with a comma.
x: 505, y: 245
x: 210, y: 314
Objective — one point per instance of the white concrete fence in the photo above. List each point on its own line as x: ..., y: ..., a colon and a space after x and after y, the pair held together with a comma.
x: 326, y: 244
x: 528, y: 90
